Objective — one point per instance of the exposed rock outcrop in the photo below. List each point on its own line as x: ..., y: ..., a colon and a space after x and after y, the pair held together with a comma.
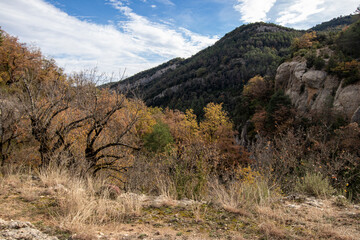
x: 317, y: 92
x: 14, y: 230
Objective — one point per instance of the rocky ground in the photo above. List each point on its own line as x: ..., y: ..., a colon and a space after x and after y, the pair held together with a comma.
x: 13, y: 230
x: 291, y: 217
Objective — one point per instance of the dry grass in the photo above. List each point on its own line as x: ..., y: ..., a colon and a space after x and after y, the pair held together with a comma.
x: 75, y: 204
x: 271, y: 231
x: 239, y: 195
x: 252, y: 209
x: 198, y: 211
x: 81, y: 204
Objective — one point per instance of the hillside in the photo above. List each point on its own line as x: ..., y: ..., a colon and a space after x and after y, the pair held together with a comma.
x: 335, y: 24
x: 216, y: 74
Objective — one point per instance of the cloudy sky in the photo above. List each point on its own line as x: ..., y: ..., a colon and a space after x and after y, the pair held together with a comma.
x: 134, y: 35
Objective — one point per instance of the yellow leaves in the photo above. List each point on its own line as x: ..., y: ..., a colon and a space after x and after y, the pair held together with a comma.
x: 247, y: 174
x: 146, y: 121
x: 15, y: 58
x: 305, y: 41
x: 216, y: 122
x: 249, y: 88
x: 183, y: 127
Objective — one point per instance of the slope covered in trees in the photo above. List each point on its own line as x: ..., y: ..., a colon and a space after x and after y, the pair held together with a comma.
x: 335, y: 24
x: 218, y: 73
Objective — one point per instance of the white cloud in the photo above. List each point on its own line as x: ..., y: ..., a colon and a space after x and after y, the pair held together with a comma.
x: 303, y: 14
x: 166, y: 2
x: 299, y: 11
x: 254, y: 10
x: 135, y: 44
x: 153, y: 6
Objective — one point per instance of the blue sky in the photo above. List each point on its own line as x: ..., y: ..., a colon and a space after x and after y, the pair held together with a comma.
x: 134, y: 35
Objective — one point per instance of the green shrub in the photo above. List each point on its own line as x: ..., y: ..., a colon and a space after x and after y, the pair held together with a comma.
x: 332, y: 63
x: 310, y: 59
x: 314, y: 184
x: 350, y: 80
x: 301, y: 52
x: 159, y: 139
x: 319, y: 63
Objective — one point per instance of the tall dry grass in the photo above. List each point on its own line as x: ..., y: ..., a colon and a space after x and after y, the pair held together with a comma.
x: 238, y: 195
x: 75, y: 204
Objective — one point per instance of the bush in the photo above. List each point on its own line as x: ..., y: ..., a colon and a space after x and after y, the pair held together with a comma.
x: 314, y: 184
x: 310, y: 59
x: 332, y: 63
x: 319, y: 63
x: 301, y: 53
x: 159, y: 139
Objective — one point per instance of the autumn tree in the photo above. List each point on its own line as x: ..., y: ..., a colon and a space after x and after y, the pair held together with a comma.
x: 306, y: 41
x: 110, y: 133
x: 44, y: 95
x: 258, y: 89
x: 9, y: 130
x: 218, y: 129
x: 15, y: 58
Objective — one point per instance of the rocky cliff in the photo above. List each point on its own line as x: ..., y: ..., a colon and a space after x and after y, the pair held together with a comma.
x: 317, y: 92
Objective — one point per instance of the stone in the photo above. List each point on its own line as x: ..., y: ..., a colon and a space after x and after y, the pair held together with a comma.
x: 347, y: 100
x: 315, y: 92
x: 314, y: 78
x: 16, y: 230
x: 356, y: 116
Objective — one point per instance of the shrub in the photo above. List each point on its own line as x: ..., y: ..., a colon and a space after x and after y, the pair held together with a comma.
x: 332, y: 63
x: 159, y: 139
x: 301, y: 52
x: 319, y: 63
x: 310, y: 59
x: 314, y: 184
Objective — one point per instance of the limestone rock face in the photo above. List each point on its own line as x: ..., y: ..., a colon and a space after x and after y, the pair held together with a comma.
x: 317, y: 92
x: 347, y: 99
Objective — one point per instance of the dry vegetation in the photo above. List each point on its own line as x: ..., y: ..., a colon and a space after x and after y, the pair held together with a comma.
x: 63, y: 205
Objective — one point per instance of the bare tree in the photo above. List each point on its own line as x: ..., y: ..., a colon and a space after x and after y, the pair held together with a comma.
x: 9, y: 119
x: 110, y: 120
x: 44, y: 99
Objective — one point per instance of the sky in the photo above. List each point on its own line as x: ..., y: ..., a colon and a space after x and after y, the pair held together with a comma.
x: 129, y: 36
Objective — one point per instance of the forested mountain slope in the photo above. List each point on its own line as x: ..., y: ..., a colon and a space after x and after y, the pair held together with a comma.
x: 216, y: 74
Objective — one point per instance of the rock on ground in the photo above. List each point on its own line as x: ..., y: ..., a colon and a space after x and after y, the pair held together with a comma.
x: 16, y: 230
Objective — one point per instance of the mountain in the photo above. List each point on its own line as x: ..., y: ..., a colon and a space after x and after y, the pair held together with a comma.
x: 217, y: 73
x: 335, y: 24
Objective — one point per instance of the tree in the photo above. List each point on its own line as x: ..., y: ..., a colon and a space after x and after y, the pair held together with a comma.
x: 9, y: 129
x: 45, y: 95
x: 218, y: 130
x: 215, y: 122
x: 15, y: 58
x: 108, y: 137
x: 304, y: 42
x: 258, y: 88
x: 159, y: 139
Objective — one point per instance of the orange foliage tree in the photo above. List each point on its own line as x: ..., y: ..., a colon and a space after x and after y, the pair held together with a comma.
x: 15, y: 58
x: 304, y: 42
